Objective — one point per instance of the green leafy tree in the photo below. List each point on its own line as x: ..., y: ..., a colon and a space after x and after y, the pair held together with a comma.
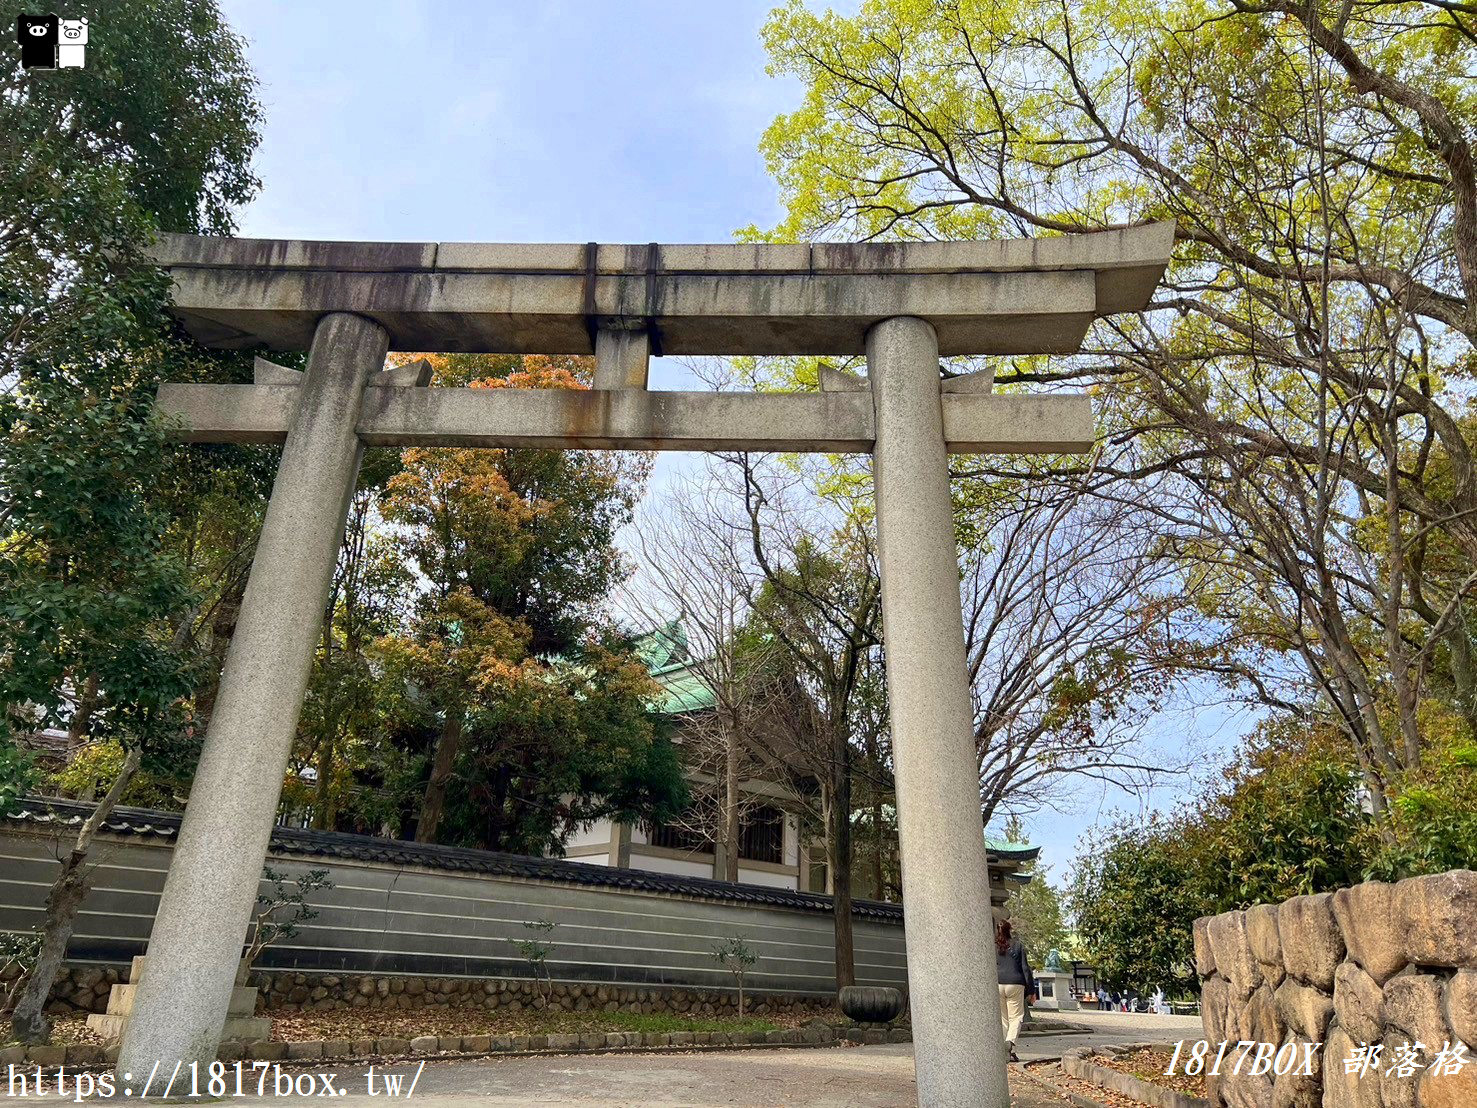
x: 156, y: 133
x: 280, y: 912
x: 738, y: 958
x: 1135, y: 895
x: 1292, y: 411
x: 535, y: 950
x: 530, y: 716
x: 1284, y: 818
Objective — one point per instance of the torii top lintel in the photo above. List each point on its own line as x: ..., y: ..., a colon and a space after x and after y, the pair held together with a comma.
x: 1016, y: 296
x: 624, y: 303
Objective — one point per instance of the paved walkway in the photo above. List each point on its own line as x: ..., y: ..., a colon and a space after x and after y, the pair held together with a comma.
x: 1109, y: 1028
x: 854, y: 1077
x: 831, y: 1077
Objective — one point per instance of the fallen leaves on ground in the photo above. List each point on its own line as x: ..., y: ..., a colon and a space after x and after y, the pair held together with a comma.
x: 364, y: 1023
x: 1051, y: 1076
x: 1148, y: 1064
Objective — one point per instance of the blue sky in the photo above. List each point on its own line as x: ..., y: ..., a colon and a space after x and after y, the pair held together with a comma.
x: 537, y: 122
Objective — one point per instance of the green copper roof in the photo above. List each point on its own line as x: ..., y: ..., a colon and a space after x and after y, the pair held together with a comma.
x: 1015, y: 852
x: 669, y: 661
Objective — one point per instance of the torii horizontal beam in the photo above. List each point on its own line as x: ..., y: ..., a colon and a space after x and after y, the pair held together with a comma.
x: 1014, y: 296
x: 630, y: 419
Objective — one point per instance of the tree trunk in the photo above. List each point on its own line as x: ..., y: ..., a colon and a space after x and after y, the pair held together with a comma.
x: 321, y: 819
x: 435, y: 800
x: 841, y: 865
x: 879, y: 840
x: 28, y: 1021
x: 79, y: 727
x: 731, y: 808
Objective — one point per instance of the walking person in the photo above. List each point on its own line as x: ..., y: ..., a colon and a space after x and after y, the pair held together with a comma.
x: 1017, y: 985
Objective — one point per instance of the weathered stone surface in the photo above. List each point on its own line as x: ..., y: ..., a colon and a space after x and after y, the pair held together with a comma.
x: 1440, y: 918
x: 1204, y: 956
x: 1448, y: 1090
x: 1245, y: 1090
x: 226, y: 1052
x: 394, y: 1045
x: 1304, y: 1009
x: 1266, y: 946
x: 1398, y: 1072
x: 1358, y: 1001
x: 1263, y: 1021
x: 425, y: 1044
x: 1460, y: 1006
x: 725, y: 301
x: 1412, y: 1006
x: 1295, y: 1090
x: 311, y: 1048
x: 84, y: 1054
x: 1342, y: 1089
x: 266, y: 1051
x: 1232, y: 953
x: 1373, y: 928
x: 1312, y: 945
x: 1215, y: 998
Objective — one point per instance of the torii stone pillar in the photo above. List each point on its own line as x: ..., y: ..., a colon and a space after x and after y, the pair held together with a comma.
x: 901, y: 304
x: 212, y: 884
x: 959, y: 1053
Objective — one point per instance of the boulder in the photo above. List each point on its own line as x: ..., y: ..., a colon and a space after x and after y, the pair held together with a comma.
x: 1215, y: 998
x: 1297, y: 1090
x: 1342, y: 1089
x: 1372, y: 927
x: 1232, y: 952
x: 1461, y: 1006
x: 1204, y: 957
x: 1399, y: 1072
x: 1412, y: 1007
x: 1263, y: 1022
x: 1245, y: 1090
x: 1439, y: 915
x: 1304, y: 1010
x: 1312, y: 945
x: 1357, y: 1000
x: 1448, y: 1090
x: 1266, y: 946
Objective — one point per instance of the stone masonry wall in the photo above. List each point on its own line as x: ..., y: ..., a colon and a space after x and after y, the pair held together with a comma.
x: 84, y: 988
x: 1387, y: 964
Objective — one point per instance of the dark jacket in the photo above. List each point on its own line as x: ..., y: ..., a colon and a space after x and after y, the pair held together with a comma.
x: 1012, y: 967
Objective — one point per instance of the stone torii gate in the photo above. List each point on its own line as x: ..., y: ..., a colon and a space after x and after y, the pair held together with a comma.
x: 903, y: 305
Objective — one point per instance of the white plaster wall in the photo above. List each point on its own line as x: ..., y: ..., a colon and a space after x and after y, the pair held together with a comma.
x: 685, y: 867
x: 765, y: 877
x: 591, y: 834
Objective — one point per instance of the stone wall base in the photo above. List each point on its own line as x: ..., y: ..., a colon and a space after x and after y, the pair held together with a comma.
x: 86, y: 988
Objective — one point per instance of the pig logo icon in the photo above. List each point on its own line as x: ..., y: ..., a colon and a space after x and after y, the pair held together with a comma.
x: 38, y: 36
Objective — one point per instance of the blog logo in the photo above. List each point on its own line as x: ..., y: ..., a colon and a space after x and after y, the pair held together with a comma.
x: 48, y: 42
